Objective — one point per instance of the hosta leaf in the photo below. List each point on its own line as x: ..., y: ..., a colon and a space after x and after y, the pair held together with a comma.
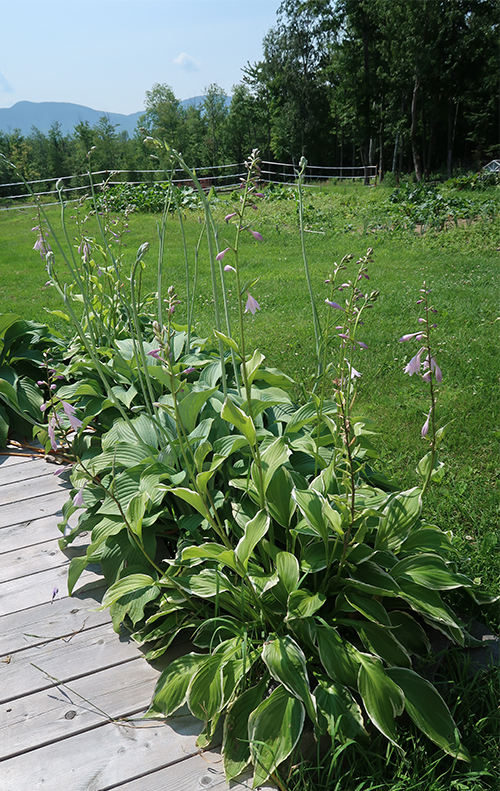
x: 286, y: 662
x: 205, y: 694
x: 428, y: 539
x: 369, y: 607
x: 191, y: 497
x: 427, y: 602
x: 382, y: 698
x: 308, y: 413
x: 428, y: 711
x: 191, y: 405
x: 287, y: 567
x: 278, y: 496
x: 339, y: 662
x: 274, y: 728
x: 302, y: 604
x: 274, y: 456
x: 224, y: 446
x: 212, y: 552
x: 400, y: 515
x: 381, y: 641
x: 235, y: 742
x: 172, y: 685
x: 344, y: 718
x: 133, y: 582
x: 252, y: 365
x: 4, y: 427
x: 371, y: 578
x: 234, y: 415
x: 76, y: 567
x: 310, y: 503
x: 255, y: 529
x: 409, y: 633
x: 430, y: 571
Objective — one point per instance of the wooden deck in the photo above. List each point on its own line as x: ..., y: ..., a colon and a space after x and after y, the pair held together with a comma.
x: 72, y: 692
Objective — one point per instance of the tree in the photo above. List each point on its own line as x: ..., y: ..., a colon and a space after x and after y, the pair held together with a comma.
x: 215, y: 113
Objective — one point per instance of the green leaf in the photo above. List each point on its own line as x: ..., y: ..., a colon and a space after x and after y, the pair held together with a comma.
x: 427, y: 602
x: 371, y: 578
x: 340, y: 663
x: 428, y: 539
x: 274, y: 728
x: 278, y: 496
x: 252, y: 365
x: 7, y: 320
x: 382, y: 698
x: 369, y: 607
x: 400, y: 515
x: 234, y: 415
x: 4, y: 427
x: 205, y: 693
x: 191, y: 497
x: 227, y: 341
x: 310, y: 503
x: 344, y: 718
x: 286, y: 662
x: 135, y: 512
x: 308, y: 413
x: 381, y: 641
x: 302, y: 604
x: 424, y: 468
x: 430, y: 571
x: 76, y: 567
x: 287, y: 567
x: 274, y: 456
x: 235, y: 741
x: 409, y: 633
x: 212, y: 552
x: 191, y: 405
x: 171, y: 688
x: 128, y: 584
x: 428, y: 711
x: 255, y: 529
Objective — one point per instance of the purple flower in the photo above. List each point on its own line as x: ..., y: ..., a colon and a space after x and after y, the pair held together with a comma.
x: 55, y: 591
x: 413, y: 366
x: 344, y: 335
x: 353, y: 373
x: 229, y: 268
x: 44, y: 407
x: 363, y: 345
x: 40, y: 383
x: 189, y: 370
x: 221, y: 255
x: 63, y: 468
x: 333, y: 304
x: 69, y: 411
x: 417, y: 335
x: 52, y: 432
x: 433, y: 366
x: 230, y: 216
x: 154, y: 353
x: 252, y: 305
x: 256, y: 235
x: 84, y: 250
x: 425, y: 427
x: 78, y: 498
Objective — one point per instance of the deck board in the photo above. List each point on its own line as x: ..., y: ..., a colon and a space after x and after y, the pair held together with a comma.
x: 72, y: 691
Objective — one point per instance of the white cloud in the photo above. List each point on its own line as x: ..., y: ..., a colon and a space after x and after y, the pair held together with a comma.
x: 186, y: 62
x: 5, y: 86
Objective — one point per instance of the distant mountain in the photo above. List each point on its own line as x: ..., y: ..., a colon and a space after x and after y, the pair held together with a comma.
x: 25, y: 115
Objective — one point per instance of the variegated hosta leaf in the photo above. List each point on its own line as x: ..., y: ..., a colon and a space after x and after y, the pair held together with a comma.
x: 382, y: 698
x: 172, y: 685
x: 235, y: 742
x: 428, y: 711
x: 340, y: 663
x: 287, y: 664
x: 274, y: 728
x: 401, y: 514
x: 344, y: 718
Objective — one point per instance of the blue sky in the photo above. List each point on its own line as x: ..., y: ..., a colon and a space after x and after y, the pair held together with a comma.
x: 106, y: 54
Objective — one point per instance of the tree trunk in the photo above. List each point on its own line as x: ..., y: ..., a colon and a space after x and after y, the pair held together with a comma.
x: 417, y: 162
x: 451, y: 137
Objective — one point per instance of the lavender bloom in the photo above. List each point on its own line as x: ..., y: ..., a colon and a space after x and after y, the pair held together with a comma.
x: 417, y: 335
x: 425, y: 427
x: 252, y: 305
x: 84, y: 250
x: 44, y: 407
x: 40, y: 383
x: 221, y: 255
x: 432, y: 366
x: 363, y: 345
x: 69, y: 411
x: 55, y: 591
x: 353, y: 373
x: 154, y: 353
x: 63, y: 468
x: 189, y: 370
x: 230, y: 216
x: 78, y: 498
x: 333, y: 304
x: 229, y: 268
x: 413, y: 366
x: 256, y: 235
x: 52, y: 432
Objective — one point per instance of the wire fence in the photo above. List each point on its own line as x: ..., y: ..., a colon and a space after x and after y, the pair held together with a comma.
x: 222, y: 178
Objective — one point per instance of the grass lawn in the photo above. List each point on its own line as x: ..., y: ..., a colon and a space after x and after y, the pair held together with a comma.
x: 461, y: 266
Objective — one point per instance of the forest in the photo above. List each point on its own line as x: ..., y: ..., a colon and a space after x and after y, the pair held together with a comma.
x: 411, y: 86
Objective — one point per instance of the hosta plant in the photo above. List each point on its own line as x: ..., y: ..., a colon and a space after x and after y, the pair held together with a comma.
x: 262, y: 530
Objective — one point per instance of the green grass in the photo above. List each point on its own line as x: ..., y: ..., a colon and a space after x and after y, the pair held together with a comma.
x: 461, y: 265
